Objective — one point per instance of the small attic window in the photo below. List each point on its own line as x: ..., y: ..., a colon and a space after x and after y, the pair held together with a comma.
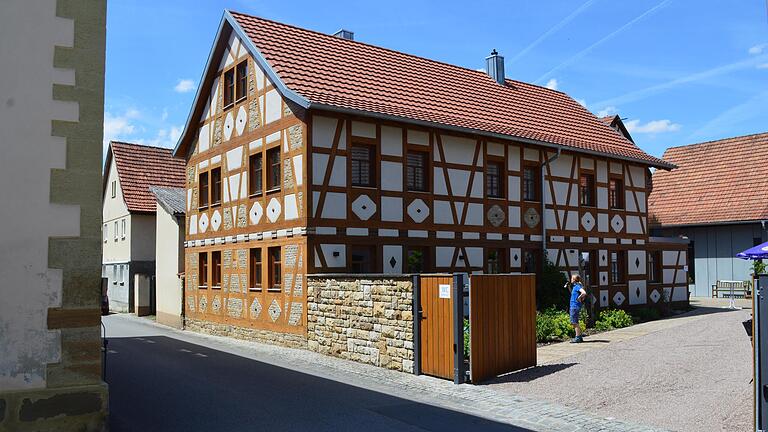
x: 229, y: 87
x: 242, y: 80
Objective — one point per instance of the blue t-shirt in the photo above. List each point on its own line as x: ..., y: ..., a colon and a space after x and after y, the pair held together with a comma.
x: 575, y: 293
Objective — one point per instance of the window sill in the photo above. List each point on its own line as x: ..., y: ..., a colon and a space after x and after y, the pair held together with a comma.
x: 254, y: 289
x: 202, y: 287
x: 255, y: 194
x: 418, y: 191
x: 274, y: 290
x: 498, y: 198
x: 201, y: 208
x: 364, y: 186
x: 216, y: 287
x: 242, y: 98
x: 273, y: 190
x: 226, y: 107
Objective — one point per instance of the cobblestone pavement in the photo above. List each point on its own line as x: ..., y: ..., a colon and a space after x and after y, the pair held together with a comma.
x: 481, y: 401
x: 687, y: 373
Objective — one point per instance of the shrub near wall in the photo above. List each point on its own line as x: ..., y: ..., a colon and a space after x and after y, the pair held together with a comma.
x: 368, y: 319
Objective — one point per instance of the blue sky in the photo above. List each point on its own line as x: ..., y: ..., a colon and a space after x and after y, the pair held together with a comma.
x: 679, y: 74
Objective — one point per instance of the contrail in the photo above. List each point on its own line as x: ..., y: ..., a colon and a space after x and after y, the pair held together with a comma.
x: 552, y: 30
x: 586, y: 50
x: 643, y: 93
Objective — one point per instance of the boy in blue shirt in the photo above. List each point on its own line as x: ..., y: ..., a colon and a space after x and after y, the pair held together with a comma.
x: 578, y: 294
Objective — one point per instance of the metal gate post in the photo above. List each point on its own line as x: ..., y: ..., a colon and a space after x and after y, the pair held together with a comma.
x: 416, y: 312
x: 760, y: 317
x: 459, y: 371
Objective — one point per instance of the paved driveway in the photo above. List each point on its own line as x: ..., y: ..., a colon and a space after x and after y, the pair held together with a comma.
x: 689, y: 374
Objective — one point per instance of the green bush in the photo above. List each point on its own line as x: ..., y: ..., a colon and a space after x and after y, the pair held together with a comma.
x: 553, y: 324
x: 466, y: 338
x: 549, y: 291
x: 613, y: 319
x: 646, y: 314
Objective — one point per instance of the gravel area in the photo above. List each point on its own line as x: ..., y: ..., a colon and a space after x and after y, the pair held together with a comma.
x: 692, y: 377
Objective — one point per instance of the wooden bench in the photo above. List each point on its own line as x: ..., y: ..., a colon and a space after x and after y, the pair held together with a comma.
x: 740, y: 289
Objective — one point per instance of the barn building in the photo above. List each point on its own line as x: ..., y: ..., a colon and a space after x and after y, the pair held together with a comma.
x: 311, y: 153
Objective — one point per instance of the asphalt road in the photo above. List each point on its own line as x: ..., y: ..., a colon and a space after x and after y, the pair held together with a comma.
x: 158, y: 383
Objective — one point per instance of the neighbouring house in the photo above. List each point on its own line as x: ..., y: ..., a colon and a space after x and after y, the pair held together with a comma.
x: 310, y: 153
x: 617, y: 124
x: 51, y: 121
x: 169, y: 255
x: 128, y: 216
x: 719, y: 201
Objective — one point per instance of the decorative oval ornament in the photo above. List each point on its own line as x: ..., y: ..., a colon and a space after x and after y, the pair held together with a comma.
x: 531, y: 217
x: 495, y: 215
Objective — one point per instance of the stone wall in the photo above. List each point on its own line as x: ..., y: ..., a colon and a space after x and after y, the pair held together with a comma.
x: 368, y: 319
x: 246, y: 333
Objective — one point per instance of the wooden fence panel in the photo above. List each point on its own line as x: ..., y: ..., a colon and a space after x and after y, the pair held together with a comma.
x: 436, y: 326
x: 502, y: 324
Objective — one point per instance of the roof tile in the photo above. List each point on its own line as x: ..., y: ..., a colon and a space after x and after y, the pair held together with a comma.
x: 139, y: 167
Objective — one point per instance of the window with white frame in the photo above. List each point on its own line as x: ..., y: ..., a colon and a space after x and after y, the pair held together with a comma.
x: 115, y: 227
x: 114, y: 275
x: 123, y: 232
x: 106, y: 232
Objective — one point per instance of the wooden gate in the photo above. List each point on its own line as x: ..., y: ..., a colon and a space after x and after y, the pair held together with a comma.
x: 502, y: 314
x: 436, y: 327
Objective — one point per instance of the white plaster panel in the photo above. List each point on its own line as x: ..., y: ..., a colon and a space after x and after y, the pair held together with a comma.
x: 391, y: 141
x: 641, y: 201
x: 549, y: 219
x: 515, y: 257
x: 444, y: 256
x: 561, y: 192
x: 255, y: 144
x: 445, y: 234
x: 392, y: 259
x: 241, y: 120
x: 629, y: 200
x: 637, y: 292
x: 636, y: 262
x: 391, y: 209
x: 604, y: 299
x: 513, y: 216
x: 615, y: 168
x: 260, y: 78
x: 602, y: 197
x: 329, y: 250
x: 418, y: 137
x: 477, y: 185
x: 602, y: 222
x: 459, y: 181
x: 603, y: 278
x: 274, y: 109
x: 339, y: 172
x: 323, y: 131
x: 474, y: 215
x: 634, y: 226
x: 418, y: 233
x: 193, y: 224
x: 358, y: 232
x: 204, y: 142
x: 638, y: 175
x: 475, y: 256
x: 216, y: 159
x: 443, y: 213
x: 363, y: 129
x: 668, y: 276
x: 319, y: 164
x: 682, y: 258
x: 531, y: 154
x: 335, y: 206
x: 669, y: 258
x: 458, y: 150
x: 234, y: 158
x: 244, y: 185
x: 391, y: 176
x: 680, y: 294
x: 495, y: 149
x: 439, y: 179
x: 364, y: 207
x: 384, y: 232
x: 561, y: 167
x: 513, y: 188
x: 291, y: 209
x: 234, y: 186
x: 298, y: 169
x: 602, y: 171
x: 587, y: 163
x: 513, y: 161
x: 572, y: 223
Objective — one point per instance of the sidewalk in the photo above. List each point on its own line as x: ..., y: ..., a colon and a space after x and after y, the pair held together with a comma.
x: 480, y: 401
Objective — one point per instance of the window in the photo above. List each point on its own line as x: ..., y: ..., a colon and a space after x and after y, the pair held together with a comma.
x: 495, y: 261
x: 529, y: 261
x: 417, y: 171
x: 275, y: 274
x: 114, y: 188
x: 417, y: 259
x: 273, y: 158
x: 203, y: 189
x: 362, y: 259
x: 114, y: 275
x: 242, y: 80
x: 362, y: 165
x: 202, y: 267
x: 125, y: 274
x: 654, y: 266
x: 229, y: 87
x: 493, y: 184
x: 123, y: 231
x: 216, y: 186
x: 115, y: 227
x: 255, y: 172
x: 531, y: 179
x: 691, y: 262
x: 255, y: 270
x: 616, y: 194
x: 121, y: 275
x: 590, y: 267
x: 587, y: 189
x: 106, y: 232
x: 216, y: 269
x: 617, y: 267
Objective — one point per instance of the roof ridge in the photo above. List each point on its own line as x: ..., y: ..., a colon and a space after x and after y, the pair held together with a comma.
x: 738, y: 137
x: 139, y: 145
x: 476, y: 71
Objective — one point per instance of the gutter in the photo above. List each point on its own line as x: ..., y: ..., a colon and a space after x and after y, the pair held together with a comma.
x: 544, y: 205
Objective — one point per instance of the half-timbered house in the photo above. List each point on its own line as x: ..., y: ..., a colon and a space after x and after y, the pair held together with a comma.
x: 314, y: 153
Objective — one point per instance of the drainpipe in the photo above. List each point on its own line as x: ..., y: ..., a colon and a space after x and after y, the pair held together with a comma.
x: 544, y: 205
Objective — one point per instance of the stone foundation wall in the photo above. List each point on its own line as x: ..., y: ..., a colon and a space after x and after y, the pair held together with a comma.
x: 250, y: 334
x: 362, y: 318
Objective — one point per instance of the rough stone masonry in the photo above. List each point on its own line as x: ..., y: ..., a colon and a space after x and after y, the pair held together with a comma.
x: 364, y: 319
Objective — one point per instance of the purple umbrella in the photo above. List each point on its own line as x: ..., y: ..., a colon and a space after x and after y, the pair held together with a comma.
x: 755, y: 253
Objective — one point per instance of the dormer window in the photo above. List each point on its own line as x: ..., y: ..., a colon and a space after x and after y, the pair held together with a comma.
x: 229, y: 87
x: 241, y: 89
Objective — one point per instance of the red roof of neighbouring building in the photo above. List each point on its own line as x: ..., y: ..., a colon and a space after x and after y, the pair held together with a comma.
x: 335, y: 73
x: 715, y: 182
x: 141, y: 166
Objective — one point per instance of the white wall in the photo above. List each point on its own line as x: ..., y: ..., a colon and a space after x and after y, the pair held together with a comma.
x: 169, y: 263
x: 28, y: 32
x: 115, y: 210
x: 142, y: 241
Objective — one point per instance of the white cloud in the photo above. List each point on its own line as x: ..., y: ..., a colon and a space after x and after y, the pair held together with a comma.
x: 165, y: 138
x: 582, y: 102
x: 552, y: 84
x: 758, y: 49
x: 184, y: 86
x: 652, y: 127
x: 609, y: 110
x: 763, y: 66
x: 164, y: 117
x: 117, y: 127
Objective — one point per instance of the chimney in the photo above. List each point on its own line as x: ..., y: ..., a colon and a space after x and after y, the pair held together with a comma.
x: 345, y: 34
x: 494, y: 65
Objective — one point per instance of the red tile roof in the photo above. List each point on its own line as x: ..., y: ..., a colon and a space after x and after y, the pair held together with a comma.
x: 716, y: 181
x: 350, y: 75
x: 139, y: 167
